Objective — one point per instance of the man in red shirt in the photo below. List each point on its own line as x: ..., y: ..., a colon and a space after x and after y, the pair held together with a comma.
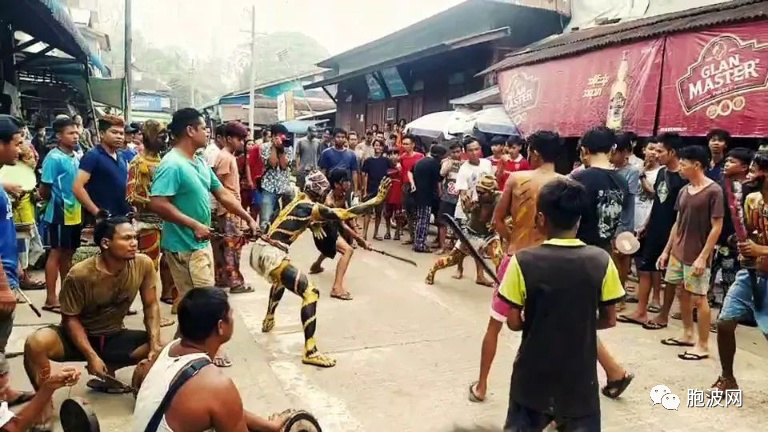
x: 408, y: 158
x: 511, y: 160
x: 256, y: 165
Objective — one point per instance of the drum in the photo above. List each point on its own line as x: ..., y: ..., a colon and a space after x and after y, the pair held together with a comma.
x: 302, y: 421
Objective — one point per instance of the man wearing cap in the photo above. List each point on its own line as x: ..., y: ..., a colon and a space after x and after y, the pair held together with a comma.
x: 306, y: 155
x: 10, y: 143
x: 103, y: 174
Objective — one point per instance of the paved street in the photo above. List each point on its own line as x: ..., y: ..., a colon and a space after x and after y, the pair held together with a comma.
x: 407, y: 352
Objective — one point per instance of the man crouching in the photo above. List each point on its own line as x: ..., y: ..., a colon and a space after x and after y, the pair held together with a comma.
x: 171, y: 384
x: 95, y: 298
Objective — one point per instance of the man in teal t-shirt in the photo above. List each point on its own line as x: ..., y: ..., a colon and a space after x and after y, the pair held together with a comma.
x: 180, y: 196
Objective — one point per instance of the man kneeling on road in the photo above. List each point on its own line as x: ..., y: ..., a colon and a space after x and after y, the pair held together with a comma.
x: 205, y: 324
x: 95, y: 298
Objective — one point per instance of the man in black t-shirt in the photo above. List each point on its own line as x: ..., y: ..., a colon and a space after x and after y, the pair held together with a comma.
x: 425, y: 192
x: 655, y: 232
x: 554, y: 376
x: 374, y: 170
x: 608, y: 196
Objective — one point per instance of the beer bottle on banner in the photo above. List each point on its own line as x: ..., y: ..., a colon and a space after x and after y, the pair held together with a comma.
x: 618, y: 102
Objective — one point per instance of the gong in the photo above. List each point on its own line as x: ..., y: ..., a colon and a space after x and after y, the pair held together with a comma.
x: 77, y: 415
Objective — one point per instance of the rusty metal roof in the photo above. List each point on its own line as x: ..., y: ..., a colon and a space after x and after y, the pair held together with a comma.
x: 589, y: 39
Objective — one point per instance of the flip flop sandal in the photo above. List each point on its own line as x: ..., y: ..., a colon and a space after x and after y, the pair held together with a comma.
x: 319, y: 360
x: 316, y: 270
x: 241, y: 290
x: 629, y: 320
x: 614, y: 389
x: 473, y: 397
x: 24, y: 397
x: 651, y: 325
x: 222, y: 362
x: 692, y: 357
x: 654, y: 309
x: 345, y: 296
x: 484, y: 283
x: 167, y: 322
x: 631, y: 300
x: 387, y: 237
x: 377, y: 238
x: 168, y: 301
x: 132, y: 312
x: 102, y: 387
x: 32, y: 285
x: 676, y: 342
x: 52, y: 309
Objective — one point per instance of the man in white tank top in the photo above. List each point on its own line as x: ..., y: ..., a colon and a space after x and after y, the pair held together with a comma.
x: 205, y: 324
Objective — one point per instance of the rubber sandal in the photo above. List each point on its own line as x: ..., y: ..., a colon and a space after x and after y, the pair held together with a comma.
x: 32, y: 285
x: 484, y: 283
x: 222, y: 362
x: 23, y: 398
x: 654, y: 309
x: 676, y: 342
x: 52, y: 309
x: 377, y: 238
x: 132, y: 312
x: 614, y: 389
x: 692, y: 357
x: 166, y: 322
x: 473, y: 397
x: 629, y: 320
x: 100, y: 386
x: 631, y: 300
x: 319, y: 360
x: 316, y: 270
x: 345, y: 296
x: 652, y: 325
x: 168, y: 301
x: 387, y: 237
x: 245, y: 289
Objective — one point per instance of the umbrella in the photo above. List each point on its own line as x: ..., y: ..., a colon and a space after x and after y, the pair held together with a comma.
x: 493, y: 121
x: 435, y: 124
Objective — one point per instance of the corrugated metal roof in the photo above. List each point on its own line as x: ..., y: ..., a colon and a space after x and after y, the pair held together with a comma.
x: 595, y: 37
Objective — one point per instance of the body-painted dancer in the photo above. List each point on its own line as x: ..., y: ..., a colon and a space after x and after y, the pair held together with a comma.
x: 479, y: 231
x: 141, y: 172
x: 273, y: 263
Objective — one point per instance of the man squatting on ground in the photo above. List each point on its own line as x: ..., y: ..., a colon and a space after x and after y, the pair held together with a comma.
x: 270, y: 257
x: 95, y: 298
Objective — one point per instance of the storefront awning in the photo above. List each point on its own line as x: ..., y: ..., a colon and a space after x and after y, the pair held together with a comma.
x: 48, y: 21
x: 488, y: 96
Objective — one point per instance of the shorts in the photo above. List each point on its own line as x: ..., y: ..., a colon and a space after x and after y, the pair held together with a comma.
x: 650, y: 250
x: 679, y: 273
x: 523, y: 419
x: 327, y: 245
x: 191, y: 269
x: 739, y: 304
x: 445, y: 208
x: 60, y: 236
x: 115, y: 348
x: 500, y: 308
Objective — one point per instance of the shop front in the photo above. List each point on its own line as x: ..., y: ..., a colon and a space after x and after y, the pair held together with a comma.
x: 685, y: 73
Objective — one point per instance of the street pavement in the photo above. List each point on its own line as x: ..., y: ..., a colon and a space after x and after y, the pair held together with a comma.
x: 407, y: 353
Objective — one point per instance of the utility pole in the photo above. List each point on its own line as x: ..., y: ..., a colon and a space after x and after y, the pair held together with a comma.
x: 128, y: 60
x: 251, y: 82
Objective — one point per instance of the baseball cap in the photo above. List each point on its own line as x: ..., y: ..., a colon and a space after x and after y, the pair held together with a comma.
x: 9, y: 125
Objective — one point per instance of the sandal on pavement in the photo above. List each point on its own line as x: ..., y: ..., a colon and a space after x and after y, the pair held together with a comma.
x: 692, y: 356
x: 52, y: 309
x: 22, y: 398
x: 100, y: 386
x: 222, y: 361
x: 653, y: 325
x: 614, y: 389
x: 166, y: 322
x: 629, y: 320
x: 676, y: 342
x: 473, y: 397
x: 654, y: 309
x: 168, y: 301
x: 722, y: 384
x: 342, y: 296
x: 319, y: 360
x: 243, y: 289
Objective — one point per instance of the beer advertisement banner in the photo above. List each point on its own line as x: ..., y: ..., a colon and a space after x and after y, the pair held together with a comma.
x: 616, y: 86
x: 716, y: 78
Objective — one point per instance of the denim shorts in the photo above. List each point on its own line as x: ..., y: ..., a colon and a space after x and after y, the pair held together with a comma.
x: 523, y: 419
x: 739, y: 304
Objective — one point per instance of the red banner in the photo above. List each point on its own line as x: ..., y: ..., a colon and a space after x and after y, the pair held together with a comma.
x: 616, y: 86
x: 716, y: 78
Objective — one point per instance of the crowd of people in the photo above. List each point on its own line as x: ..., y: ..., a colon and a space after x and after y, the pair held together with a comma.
x: 168, y: 210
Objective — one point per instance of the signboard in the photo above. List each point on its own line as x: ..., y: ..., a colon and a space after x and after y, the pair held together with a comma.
x: 149, y: 102
x: 716, y: 78
x: 617, y: 86
x: 393, y: 81
x: 285, y: 107
x: 375, y: 92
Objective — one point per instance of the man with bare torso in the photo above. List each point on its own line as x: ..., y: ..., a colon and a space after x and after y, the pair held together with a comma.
x: 515, y: 219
